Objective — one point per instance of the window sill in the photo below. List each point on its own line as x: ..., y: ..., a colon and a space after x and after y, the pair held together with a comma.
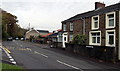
x: 95, y: 28
x: 95, y: 44
x: 110, y: 27
x: 110, y: 45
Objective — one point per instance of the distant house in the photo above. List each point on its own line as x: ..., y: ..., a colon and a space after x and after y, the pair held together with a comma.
x: 45, y: 39
x: 35, y: 33
x: 32, y: 32
x: 55, y: 36
x: 43, y: 32
x: 59, y: 36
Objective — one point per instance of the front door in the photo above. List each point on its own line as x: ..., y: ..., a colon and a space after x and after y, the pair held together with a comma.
x: 65, y: 39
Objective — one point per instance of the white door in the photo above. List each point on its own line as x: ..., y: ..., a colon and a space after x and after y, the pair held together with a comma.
x: 65, y: 39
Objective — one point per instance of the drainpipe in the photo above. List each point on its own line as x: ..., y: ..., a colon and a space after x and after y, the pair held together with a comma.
x: 83, y: 19
x: 119, y: 38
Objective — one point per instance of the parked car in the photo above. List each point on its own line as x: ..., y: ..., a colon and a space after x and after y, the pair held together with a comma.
x: 22, y: 39
x: 16, y: 38
x: 9, y: 39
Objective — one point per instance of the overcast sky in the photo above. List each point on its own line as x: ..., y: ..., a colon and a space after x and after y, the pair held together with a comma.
x: 48, y: 14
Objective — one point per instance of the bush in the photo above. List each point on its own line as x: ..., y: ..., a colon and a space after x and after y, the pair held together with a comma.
x: 79, y: 39
x: 32, y: 38
x: 5, y: 35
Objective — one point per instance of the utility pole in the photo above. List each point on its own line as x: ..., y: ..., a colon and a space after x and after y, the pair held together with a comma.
x: 29, y: 27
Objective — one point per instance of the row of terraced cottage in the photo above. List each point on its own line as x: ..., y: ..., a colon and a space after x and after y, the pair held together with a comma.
x: 102, y: 28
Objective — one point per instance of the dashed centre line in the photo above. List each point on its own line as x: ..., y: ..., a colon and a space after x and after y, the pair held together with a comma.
x: 68, y: 65
x: 41, y: 54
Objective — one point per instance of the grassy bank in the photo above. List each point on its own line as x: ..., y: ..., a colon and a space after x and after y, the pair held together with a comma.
x: 9, y: 67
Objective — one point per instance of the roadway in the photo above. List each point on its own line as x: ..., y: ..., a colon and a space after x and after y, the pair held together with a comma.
x: 34, y: 56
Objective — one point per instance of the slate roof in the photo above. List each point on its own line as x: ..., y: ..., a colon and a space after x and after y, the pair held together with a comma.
x: 43, y: 31
x: 32, y: 30
x: 94, y: 12
x: 53, y: 35
x: 47, y: 34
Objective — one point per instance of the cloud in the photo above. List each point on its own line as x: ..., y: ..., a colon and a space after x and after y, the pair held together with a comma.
x: 47, y: 14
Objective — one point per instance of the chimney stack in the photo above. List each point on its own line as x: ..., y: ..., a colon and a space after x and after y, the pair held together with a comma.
x: 99, y: 5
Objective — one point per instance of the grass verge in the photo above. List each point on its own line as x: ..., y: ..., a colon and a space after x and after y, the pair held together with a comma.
x: 9, y: 67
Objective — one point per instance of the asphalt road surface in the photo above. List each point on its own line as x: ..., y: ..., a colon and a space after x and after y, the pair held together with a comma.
x: 34, y: 56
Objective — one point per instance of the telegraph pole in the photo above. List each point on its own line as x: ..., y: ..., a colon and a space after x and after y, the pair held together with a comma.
x: 29, y: 26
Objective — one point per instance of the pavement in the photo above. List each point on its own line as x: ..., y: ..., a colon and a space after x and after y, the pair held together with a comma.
x: 34, y: 56
x: 6, y: 57
x: 62, y: 51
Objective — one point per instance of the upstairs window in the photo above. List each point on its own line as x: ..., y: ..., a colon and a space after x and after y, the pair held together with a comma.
x: 95, y: 22
x: 71, y: 26
x: 110, y: 20
x: 64, y: 27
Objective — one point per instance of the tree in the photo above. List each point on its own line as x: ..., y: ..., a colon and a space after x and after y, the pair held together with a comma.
x: 8, y: 21
x: 4, y: 33
x: 32, y: 38
x: 79, y: 39
x: 9, y: 26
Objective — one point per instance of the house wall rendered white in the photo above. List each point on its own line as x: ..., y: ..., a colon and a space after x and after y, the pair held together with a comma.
x: 32, y: 33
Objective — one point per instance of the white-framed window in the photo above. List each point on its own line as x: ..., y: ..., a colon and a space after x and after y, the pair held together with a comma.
x: 95, y: 37
x: 71, y: 37
x: 95, y: 22
x: 64, y: 27
x: 71, y: 26
x: 110, y: 20
x: 110, y: 38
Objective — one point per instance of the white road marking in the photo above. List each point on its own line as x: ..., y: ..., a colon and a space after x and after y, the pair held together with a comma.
x: 9, y: 56
x: 12, y: 59
x: 41, y: 54
x: 14, y: 62
x: 68, y: 65
x: 29, y: 49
